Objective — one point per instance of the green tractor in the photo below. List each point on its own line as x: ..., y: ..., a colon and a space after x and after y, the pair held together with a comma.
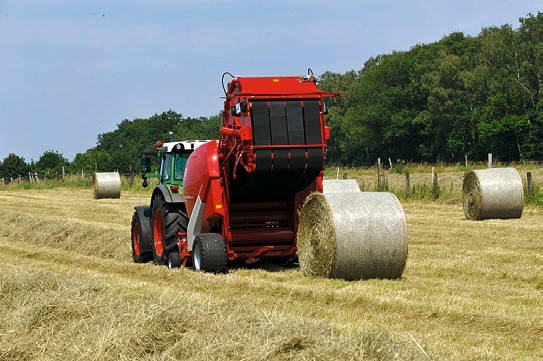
x: 155, y: 228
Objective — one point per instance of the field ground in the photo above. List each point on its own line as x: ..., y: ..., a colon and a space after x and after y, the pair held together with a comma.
x: 69, y: 291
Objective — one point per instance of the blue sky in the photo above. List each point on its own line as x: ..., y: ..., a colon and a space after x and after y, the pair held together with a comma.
x: 72, y: 69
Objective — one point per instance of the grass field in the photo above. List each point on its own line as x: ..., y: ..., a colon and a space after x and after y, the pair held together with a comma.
x: 69, y: 291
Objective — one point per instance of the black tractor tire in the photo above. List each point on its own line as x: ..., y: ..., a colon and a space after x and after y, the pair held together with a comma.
x: 209, y: 253
x: 173, y: 260
x: 138, y: 253
x: 167, y: 221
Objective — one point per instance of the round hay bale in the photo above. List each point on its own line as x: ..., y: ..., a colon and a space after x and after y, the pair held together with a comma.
x: 340, y: 186
x: 356, y: 235
x: 106, y: 185
x: 492, y: 193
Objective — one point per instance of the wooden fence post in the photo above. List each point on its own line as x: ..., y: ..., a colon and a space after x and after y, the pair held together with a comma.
x: 466, y: 160
x: 36, y: 177
x: 63, y: 173
x: 3, y: 182
x: 435, y: 186
x: 407, y: 184
x: 529, y: 182
x: 389, y: 163
x: 131, y: 175
x: 489, y: 160
x: 378, y: 173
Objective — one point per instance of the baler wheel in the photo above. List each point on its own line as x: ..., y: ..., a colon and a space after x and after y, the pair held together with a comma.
x: 174, y: 261
x: 209, y: 253
x: 138, y: 254
x: 167, y: 221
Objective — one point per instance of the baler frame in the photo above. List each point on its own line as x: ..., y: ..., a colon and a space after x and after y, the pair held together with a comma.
x: 216, y: 203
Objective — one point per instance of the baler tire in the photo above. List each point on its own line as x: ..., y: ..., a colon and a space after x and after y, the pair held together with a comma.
x: 138, y: 254
x: 173, y: 260
x: 209, y: 249
x: 171, y: 223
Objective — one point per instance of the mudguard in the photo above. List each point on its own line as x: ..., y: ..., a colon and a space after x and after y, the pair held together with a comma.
x: 144, y: 217
x: 168, y: 197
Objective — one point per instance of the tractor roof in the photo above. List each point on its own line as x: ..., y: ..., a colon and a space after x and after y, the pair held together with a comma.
x: 187, y: 144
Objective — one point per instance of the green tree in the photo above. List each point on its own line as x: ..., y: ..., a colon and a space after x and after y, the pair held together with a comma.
x: 51, y: 163
x: 14, y: 166
x: 439, y: 101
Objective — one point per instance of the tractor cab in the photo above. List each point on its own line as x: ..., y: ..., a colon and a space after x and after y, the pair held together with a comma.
x: 173, y: 157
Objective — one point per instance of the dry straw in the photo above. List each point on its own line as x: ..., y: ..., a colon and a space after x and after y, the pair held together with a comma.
x: 106, y: 185
x: 357, y: 235
x: 492, y: 193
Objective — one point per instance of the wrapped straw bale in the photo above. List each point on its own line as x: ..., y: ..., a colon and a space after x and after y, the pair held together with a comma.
x: 106, y: 185
x: 492, y: 193
x: 340, y: 186
x: 355, y: 235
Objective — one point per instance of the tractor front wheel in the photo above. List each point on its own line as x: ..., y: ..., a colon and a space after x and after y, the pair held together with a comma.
x: 138, y: 253
x: 209, y: 253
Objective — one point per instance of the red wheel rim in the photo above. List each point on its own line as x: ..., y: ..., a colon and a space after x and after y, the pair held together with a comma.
x: 135, y: 239
x: 158, y: 233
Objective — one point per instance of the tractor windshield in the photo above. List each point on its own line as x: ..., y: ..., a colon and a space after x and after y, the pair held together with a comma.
x: 180, y: 161
x: 166, y: 169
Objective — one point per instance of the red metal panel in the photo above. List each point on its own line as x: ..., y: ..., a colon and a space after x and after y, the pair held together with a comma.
x: 272, y: 86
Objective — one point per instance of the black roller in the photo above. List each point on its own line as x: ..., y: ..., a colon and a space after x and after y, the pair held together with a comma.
x: 261, y: 123
x: 295, y: 123
x: 312, y: 122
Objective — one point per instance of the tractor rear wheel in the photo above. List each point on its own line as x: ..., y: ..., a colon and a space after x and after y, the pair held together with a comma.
x: 209, y: 253
x: 167, y: 220
x: 138, y: 253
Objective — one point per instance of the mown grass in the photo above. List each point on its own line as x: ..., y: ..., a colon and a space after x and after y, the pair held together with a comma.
x: 68, y: 290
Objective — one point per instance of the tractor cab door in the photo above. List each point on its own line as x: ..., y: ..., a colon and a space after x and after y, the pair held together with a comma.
x: 166, y: 168
x: 180, y: 160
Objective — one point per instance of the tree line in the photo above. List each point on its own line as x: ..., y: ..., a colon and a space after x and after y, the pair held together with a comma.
x: 120, y: 149
x: 460, y: 96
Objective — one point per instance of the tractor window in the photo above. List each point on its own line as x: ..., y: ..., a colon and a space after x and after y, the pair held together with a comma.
x: 180, y: 161
x: 166, y: 170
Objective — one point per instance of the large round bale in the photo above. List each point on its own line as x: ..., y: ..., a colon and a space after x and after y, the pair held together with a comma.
x: 356, y: 235
x: 492, y: 193
x: 106, y: 185
x: 340, y: 185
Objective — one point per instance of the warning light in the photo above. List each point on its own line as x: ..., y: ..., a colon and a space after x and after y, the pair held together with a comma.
x: 218, y: 206
x: 159, y: 144
x: 175, y: 189
x: 275, y: 80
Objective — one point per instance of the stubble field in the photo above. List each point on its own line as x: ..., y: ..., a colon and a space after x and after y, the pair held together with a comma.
x: 69, y: 291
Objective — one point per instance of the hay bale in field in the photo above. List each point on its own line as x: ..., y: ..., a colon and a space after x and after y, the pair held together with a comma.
x: 106, y: 185
x: 492, y: 193
x: 340, y: 185
x: 356, y: 235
